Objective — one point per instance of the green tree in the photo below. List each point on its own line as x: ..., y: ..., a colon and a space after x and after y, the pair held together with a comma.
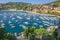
x: 41, y: 32
x: 5, y: 36
x: 30, y: 33
x: 55, y: 34
x: 2, y: 34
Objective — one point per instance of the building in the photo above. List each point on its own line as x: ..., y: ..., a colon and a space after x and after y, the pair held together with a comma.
x: 35, y: 10
x: 57, y: 10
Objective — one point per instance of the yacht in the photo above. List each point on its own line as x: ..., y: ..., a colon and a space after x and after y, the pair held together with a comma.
x: 35, y: 24
x: 19, y: 17
x: 13, y: 26
x: 28, y: 18
x: 2, y: 24
x: 9, y: 22
x: 13, y: 18
x: 23, y: 26
x: 40, y: 26
x: 37, y: 19
x: 16, y: 20
x: 26, y: 22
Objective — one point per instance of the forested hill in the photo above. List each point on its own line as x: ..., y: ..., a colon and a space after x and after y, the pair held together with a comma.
x: 55, y: 3
x: 26, y: 6
x: 13, y: 5
x: 18, y: 3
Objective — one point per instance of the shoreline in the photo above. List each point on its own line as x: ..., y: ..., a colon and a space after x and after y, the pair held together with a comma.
x: 33, y: 13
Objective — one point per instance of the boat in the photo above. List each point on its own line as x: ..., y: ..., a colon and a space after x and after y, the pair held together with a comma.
x: 13, y: 26
x: 26, y: 22
x: 23, y: 26
x: 19, y: 17
x: 28, y: 18
x: 13, y: 18
x: 9, y: 22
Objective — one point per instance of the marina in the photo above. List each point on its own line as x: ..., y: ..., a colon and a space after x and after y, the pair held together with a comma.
x: 17, y: 21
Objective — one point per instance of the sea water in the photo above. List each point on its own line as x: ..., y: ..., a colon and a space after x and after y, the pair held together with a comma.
x: 17, y: 21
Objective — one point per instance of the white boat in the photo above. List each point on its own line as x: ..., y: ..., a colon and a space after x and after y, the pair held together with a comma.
x: 15, y: 34
x: 9, y: 22
x: 42, y: 18
x: 19, y: 17
x: 28, y: 18
x: 35, y: 24
x: 26, y: 22
x: 51, y: 24
x: 1, y: 21
x: 13, y: 18
x: 2, y: 24
x: 13, y: 26
x: 40, y: 26
x: 10, y: 16
x: 46, y: 18
x: 23, y: 26
x: 37, y: 19
x: 47, y: 22
x: 16, y: 20
x: 4, y: 16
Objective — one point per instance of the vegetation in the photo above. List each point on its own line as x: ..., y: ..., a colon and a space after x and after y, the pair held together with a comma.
x: 54, y: 13
x: 30, y: 33
x: 5, y: 35
x: 40, y: 34
x: 15, y: 5
x: 30, y: 7
x: 56, y: 3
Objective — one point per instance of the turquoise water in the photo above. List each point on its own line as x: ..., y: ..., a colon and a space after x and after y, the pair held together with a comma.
x: 17, y: 21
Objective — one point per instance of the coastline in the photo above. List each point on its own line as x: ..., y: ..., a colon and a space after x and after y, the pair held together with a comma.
x: 33, y: 13
x: 30, y: 12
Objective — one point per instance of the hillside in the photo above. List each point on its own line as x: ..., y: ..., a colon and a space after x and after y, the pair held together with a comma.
x: 55, y: 3
x: 17, y: 3
x: 13, y: 5
x: 53, y: 7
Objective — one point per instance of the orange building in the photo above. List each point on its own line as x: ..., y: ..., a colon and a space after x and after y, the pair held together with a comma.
x: 57, y: 10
